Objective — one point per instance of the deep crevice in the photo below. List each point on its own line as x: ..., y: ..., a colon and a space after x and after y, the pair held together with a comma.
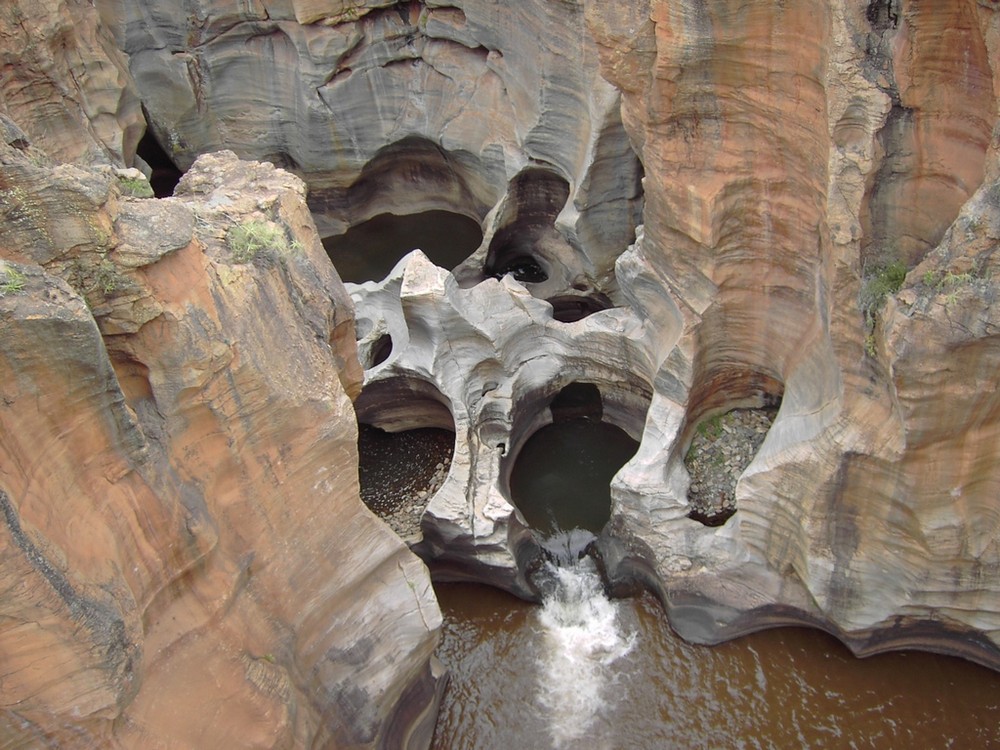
x: 883, y: 14
x: 534, y: 199
x: 569, y: 308
x: 165, y: 174
x: 380, y: 351
x: 723, y: 441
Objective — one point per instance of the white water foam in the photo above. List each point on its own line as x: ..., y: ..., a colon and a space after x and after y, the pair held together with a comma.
x: 583, y: 638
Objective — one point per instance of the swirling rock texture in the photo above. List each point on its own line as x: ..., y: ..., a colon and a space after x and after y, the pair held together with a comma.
x: 692, y: 205
x: 66, y: 82
x: 779, y: 126
x: 175, y: 427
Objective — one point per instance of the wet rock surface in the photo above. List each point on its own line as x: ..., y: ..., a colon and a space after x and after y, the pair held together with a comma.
x: 720, y: 452
x: 401, y: 471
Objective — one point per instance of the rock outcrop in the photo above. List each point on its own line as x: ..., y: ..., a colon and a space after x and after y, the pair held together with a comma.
x: 768, y: 137
x: 404, y: 107
x: 186, y: 557
x: 777, y: 123
x: 66, y: 81
x: 696, y: 207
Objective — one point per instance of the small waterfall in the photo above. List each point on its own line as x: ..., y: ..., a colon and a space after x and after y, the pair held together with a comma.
x: 582, y: 639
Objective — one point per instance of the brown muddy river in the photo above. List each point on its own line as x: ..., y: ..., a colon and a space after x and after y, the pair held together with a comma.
x: 611, y: 675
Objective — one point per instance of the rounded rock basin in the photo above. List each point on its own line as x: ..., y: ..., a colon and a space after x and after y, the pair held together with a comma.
x: 561, y: 478
x: 371, y: 249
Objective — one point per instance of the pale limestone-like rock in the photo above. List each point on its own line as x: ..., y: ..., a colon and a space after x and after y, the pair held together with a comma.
x: 402, y: 109
x: 495, y: 357
x: 754, y: 266
x: 783, y: 149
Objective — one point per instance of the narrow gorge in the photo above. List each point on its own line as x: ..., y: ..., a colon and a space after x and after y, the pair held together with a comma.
x: 307, y: 304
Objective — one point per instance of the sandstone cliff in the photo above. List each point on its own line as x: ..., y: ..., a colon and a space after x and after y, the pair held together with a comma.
x: 733, y: 204
x: 186, y: 559
x: 812, y: 146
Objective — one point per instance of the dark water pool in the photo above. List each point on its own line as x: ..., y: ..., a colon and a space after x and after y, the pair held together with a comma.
x: 370, y: 250
x: 561, y: 478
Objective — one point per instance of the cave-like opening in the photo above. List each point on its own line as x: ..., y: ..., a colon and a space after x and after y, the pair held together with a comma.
x: 723, y: 439
x: 569, y: 308
x: 370, y: 250
x: 526, y: 244
x: 412, y: 194
x: 560, y: 476
x: 164, y: 174
x: 406, y: 440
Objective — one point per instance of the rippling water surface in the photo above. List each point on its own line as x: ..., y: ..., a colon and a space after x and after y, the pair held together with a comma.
x: 787, y: 688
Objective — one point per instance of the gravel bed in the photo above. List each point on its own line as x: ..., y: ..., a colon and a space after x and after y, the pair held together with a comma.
x: 399, y: 472
x: 721, y: 450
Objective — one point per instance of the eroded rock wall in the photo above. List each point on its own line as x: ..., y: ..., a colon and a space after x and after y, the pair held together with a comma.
x: 789, y: 154
x: 65, y: 81
x: 347, y: 94
x: 768, y: 256
x: 186, y: 557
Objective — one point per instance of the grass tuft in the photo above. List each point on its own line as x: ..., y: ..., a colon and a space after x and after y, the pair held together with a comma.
x: 11, y: 282
x: 136, y: 187
x: 256, y: 239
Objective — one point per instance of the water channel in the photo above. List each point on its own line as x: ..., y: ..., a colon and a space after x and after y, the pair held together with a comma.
x: 583, y: 671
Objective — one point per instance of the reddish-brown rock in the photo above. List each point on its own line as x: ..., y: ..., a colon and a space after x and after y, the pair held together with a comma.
x: 788, y: 154
x: 187, y: 557
x: 65, y: 81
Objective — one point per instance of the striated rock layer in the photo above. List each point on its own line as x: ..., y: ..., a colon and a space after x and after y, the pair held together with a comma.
x: 66, y: 81
x: 694, y: 206
x: 779, y: 183
x: 776, y: 125
x: 185, y: 555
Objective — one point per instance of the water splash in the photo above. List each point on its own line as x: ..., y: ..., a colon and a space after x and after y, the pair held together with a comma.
x: 582, y: 639
x: 567, y: 548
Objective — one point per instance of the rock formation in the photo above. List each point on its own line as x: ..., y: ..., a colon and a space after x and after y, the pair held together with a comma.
x: 771, y: 220
x: 66, y: 82
x: 176, y: 426
x: 695, y: 206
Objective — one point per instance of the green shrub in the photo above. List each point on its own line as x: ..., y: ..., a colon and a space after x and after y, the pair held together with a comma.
x: 879, y: 284
x: 107, y: 278
x: 711, y: 429
x: 954, y: 279
x: 885, y: 280
x: 871, y: 346
x: 136, y: 187
x: 256, y: 239
x: 12, y: 281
